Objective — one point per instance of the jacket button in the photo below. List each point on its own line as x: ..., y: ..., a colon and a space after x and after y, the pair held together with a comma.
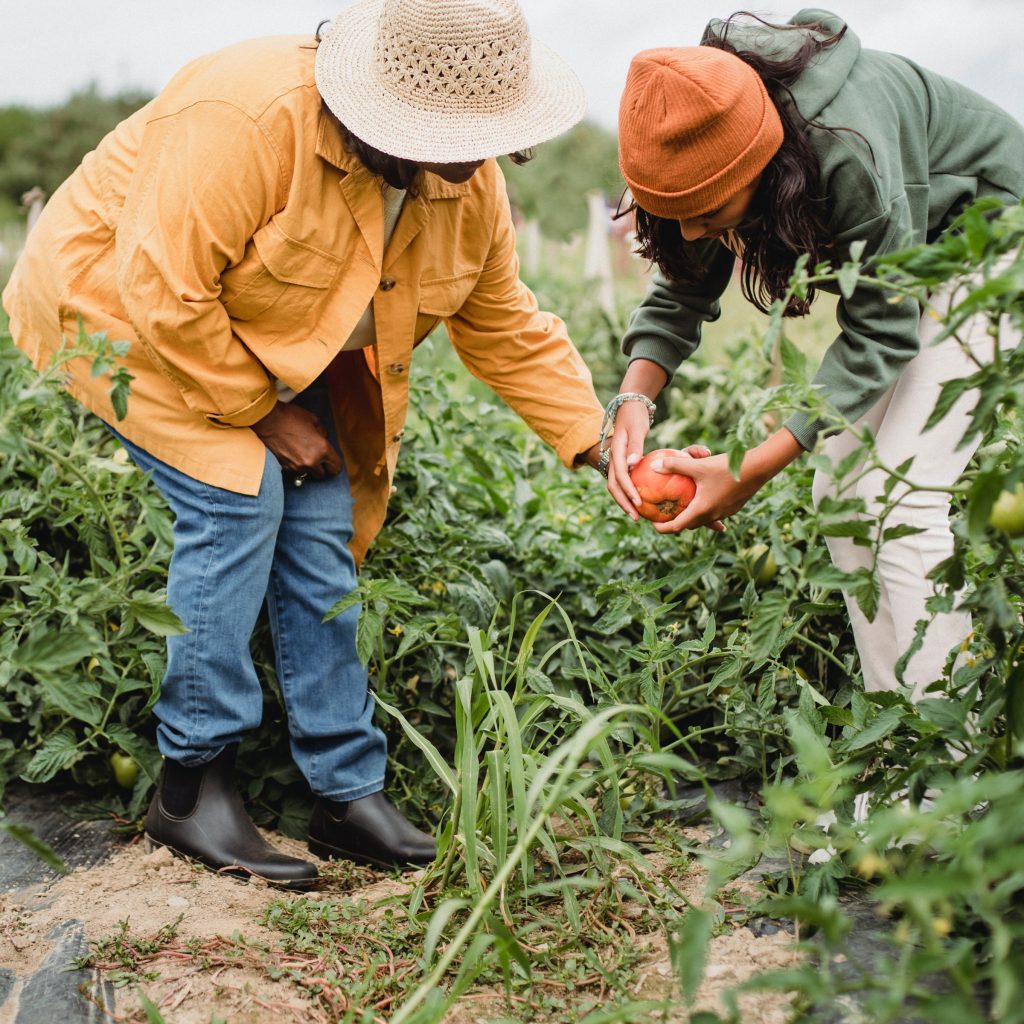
x: 387, y: 283
x: 398, y: 437
x: 396, y: 368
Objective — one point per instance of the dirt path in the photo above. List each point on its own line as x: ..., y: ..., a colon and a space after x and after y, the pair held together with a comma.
x: 199, y: 978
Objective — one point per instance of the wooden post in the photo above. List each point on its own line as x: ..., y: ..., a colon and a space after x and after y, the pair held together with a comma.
x: 531, y: 248
x: 34, y: 199
x: 597, y: 265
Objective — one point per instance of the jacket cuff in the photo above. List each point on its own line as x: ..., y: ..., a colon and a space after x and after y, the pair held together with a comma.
x: 656, y: 350
x: 247, y: 415
x: 577, y: 440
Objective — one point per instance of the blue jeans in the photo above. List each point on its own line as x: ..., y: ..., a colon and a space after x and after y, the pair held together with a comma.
x: 288, y: 545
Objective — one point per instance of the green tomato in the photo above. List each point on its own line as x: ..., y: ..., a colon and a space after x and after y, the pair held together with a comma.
x: 1007, y: 513
x: 126, y: 769
x: 760, y: 563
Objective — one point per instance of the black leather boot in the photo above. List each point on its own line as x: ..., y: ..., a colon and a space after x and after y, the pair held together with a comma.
x: 368, y: 831
x: 218, y: 833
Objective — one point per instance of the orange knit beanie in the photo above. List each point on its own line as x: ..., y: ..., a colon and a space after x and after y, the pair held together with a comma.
x: 696, y: 125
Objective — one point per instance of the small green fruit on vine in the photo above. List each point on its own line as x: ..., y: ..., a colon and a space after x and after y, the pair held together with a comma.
x: 125, y: 768
x: 759, y: 563
x: 1007, y: 513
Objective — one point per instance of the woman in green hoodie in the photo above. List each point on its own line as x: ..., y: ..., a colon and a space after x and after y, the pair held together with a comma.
x: 775, y: 141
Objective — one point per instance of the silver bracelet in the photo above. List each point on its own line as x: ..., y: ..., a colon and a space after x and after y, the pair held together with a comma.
x: 611, y: 410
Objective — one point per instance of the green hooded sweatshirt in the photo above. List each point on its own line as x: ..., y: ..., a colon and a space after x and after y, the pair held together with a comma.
x: 921, y: 148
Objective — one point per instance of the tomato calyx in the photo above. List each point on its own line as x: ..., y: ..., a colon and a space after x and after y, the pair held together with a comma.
x: 662, y: 495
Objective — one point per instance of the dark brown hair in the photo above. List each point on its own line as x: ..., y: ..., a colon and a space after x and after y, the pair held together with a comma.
x: 788, y: 218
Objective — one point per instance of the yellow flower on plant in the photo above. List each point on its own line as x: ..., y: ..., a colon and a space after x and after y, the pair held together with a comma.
x: 871, y: 864
x: 438, y: 587
x: 396, y: 630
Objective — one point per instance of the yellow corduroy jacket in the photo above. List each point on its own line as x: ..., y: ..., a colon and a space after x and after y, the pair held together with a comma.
x: 226, y: 233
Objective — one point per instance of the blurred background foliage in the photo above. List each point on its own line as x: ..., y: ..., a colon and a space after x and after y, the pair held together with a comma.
x: 40, y: 147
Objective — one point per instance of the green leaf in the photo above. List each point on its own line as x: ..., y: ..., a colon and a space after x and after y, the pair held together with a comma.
x: 794, y: 363
x: 884, y: 723
x: 847, y: 278
x: 156, y: 616
x: 468, y: 774
x: 147, y: 755
x: 688, y: 950
x: 348, y: 601
x: 1015, y: 702
x: 153, y: 1015
x: 850, y: 528
x: 50, y: 650
x: 79, y: 697
x: 437, y: 762
x: 949, y: 395
x: 898, y: 532
x: 632, y: 1011
x: 837, y: 716
x: 438, y: 923
x: 24, y: 835
x: 120, y: 390
x: 766, y: 627
x: 368, y: 632
x: 57, y: 753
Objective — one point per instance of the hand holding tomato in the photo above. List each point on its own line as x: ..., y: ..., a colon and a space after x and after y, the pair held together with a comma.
x: 662, y: 495
x: 632, y: 424
x: 719, y: 494
x: 655, y: 492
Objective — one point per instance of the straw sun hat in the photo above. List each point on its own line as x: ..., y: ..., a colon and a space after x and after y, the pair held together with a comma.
x: 444, y: 81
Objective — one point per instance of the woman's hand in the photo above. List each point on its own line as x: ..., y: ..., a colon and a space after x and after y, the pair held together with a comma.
x: 719, y: 494
x: 632, y: 425
x: 298, y: 440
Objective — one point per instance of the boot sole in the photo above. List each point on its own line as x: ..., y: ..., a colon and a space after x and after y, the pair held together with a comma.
x: 233, y: 871
x: 327, y: 852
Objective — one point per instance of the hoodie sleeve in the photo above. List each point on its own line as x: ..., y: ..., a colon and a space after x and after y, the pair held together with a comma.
x: 666, y: 327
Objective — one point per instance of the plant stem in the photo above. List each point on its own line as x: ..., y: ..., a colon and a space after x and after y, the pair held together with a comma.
x: 97, y: 499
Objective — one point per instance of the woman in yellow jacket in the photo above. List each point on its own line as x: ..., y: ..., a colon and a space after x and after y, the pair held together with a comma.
x: 273, y: 234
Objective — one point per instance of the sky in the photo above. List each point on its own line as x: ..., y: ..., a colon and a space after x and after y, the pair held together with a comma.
x: 49, y: 48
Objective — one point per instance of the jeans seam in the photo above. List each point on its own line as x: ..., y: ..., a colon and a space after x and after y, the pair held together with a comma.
x: 200, y: 604
x: 275, y: 608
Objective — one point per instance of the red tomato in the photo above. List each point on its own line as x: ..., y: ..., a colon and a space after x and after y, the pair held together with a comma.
x: 662, y: 495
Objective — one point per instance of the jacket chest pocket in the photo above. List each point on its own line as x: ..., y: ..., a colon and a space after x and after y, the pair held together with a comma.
x: 444, y: 297
x: 278, y: 279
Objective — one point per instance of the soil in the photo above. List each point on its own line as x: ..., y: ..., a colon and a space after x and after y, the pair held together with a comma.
x: 225, y: 983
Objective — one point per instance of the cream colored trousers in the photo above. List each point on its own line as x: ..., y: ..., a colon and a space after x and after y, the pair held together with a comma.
x: 897, y: 423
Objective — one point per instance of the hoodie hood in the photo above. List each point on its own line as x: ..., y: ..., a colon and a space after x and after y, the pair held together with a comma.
x: 811, y: 93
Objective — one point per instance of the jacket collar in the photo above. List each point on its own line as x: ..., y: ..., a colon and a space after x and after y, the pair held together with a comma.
x: 330, y: 147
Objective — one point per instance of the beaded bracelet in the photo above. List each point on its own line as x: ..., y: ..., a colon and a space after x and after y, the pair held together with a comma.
x: 610, y: 412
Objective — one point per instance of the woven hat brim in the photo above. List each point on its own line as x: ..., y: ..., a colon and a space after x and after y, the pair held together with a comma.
x: 346, y: 77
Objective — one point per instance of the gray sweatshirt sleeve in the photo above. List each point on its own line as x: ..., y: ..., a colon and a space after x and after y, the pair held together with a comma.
x: 877, y: 336
x: 665, y: 328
